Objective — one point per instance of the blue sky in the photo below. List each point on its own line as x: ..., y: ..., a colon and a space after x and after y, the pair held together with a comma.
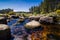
x: 19, y: 5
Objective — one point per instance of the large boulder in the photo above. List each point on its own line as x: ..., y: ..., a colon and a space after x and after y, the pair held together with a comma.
x: 5, y: 33
x: 32, y: 24
x: 34, y: 18
x: 46, y: 19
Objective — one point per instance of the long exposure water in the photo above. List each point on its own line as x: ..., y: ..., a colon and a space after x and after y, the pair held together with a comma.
x: 17, y: 29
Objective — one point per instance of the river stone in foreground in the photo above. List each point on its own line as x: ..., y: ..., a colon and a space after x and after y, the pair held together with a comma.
x: 32, y: 24
x: 4, y: 32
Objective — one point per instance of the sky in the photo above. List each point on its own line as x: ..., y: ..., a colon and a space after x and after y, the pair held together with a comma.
x: 19, y: 5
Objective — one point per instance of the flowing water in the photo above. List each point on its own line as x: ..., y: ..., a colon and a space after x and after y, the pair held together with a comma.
x: 17, y: 29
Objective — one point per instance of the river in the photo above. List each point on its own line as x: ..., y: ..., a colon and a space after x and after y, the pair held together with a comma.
x: 18, y: 30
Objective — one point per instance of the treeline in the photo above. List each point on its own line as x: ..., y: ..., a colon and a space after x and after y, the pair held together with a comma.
x: 3, y: 11
x: 46, y: 6
x: 7, y: 11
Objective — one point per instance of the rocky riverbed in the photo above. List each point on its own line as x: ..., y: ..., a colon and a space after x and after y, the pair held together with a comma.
x: 19, y: 32
x: 32, y: 29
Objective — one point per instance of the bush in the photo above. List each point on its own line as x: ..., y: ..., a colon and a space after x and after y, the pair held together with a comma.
x: 58, y: 12
x: 12, y: 13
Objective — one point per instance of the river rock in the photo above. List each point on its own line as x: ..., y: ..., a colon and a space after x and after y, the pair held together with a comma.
x: 21, y: 20
x: 21, y: 17
x: 14, y: 16
x: 5, y: 33
x: 46, y: 19
x: 32, y: 24
x: 3, y: 20
x: 34, y: 18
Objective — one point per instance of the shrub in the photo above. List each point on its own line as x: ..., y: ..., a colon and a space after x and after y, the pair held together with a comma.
x: 58, y: 12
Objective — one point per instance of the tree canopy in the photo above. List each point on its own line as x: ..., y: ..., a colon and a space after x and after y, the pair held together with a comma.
x: 46, y: 6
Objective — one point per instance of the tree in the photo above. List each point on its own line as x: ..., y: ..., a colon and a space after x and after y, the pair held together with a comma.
x: 35, y: 9
x: 31, y: 9
x: 3, y: 11
x: 50, y: 5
